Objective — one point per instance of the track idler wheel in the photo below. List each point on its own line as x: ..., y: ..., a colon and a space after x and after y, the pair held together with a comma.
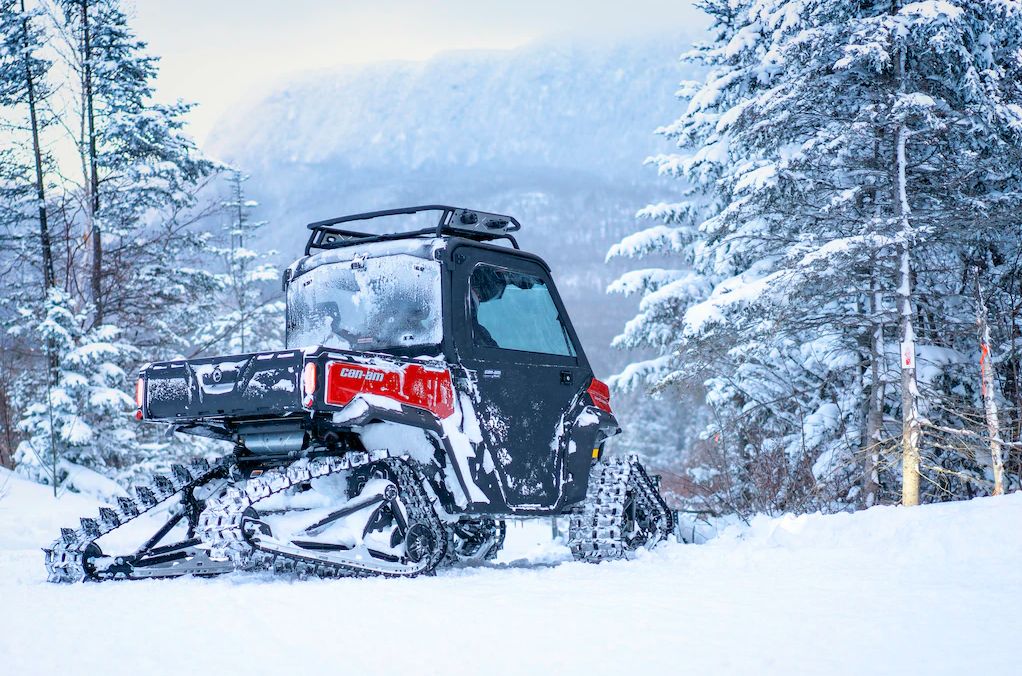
x: 89, y: 556
x: 419, y: 542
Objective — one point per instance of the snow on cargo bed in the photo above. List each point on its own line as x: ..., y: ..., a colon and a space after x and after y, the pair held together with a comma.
x: 932, y: 590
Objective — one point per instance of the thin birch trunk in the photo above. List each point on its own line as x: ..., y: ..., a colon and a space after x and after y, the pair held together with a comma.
x: 986, y: 372
x: 911, y: 429
x: 237, y: 267
x: 910, y: 426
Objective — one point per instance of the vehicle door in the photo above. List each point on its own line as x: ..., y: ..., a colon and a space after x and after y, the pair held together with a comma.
x: 514, y: 337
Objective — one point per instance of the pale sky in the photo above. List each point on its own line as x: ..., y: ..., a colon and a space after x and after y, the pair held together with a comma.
x: 214, y: 52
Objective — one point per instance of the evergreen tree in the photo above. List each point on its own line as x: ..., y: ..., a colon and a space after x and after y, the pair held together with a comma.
x: 28, y: 249
x: 142, y: 174
x: 826, y: 189
x: 23, y: 88
x: 86, y: 418
x: 142, y: 286
x: 118, y: 267
x: 245, y: 320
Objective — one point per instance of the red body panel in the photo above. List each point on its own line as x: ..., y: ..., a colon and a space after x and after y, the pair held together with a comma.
x: 415, y: 385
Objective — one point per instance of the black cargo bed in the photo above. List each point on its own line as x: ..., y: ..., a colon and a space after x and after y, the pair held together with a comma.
x: 236, y: 386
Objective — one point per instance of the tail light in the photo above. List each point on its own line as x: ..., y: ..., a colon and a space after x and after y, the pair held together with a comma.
x: 599, y: 393
x: 309, y: 384
x: 139, y: 397
x: 427, y: 388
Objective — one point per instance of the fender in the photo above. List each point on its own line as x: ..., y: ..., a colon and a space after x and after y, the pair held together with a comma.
x: 358, y: 389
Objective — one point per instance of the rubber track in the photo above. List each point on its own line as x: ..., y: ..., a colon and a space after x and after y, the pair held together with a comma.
x: 221, y: 525
x: 66, y: 560
x: 596, y: 531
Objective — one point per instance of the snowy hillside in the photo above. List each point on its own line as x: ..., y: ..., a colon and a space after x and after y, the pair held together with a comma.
x: 546, y: 107
x: 932, y: 590
x: 554, y: 133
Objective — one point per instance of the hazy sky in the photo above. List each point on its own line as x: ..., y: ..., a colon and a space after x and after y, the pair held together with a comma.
x: 215, y: 51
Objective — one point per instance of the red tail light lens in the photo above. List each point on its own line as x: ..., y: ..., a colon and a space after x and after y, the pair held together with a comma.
x: 600, y: 395
x: 309, y: 384
x: 139, y: 397
x: 424, y: 387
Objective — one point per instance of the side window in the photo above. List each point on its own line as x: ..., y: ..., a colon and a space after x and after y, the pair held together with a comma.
x: 515, y: 311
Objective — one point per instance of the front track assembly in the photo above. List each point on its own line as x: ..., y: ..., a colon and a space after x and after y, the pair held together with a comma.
x: 623, y: 511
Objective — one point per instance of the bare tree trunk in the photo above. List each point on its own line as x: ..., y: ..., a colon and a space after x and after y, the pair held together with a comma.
x: 986, y: 372
x: 7, y: 421
x: 910, y: 426
x: 875, y: 414
x: 236, y: 273
x: 95, y: 228
x: 44, y: 231
x: 911, y: 429
x: 1013, y: 319
x: 49, y: 278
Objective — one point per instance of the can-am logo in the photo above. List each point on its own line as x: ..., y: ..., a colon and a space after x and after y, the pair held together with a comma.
x: 371, y: 376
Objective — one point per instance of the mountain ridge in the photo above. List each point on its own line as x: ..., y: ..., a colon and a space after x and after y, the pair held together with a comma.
x: 555, y: 133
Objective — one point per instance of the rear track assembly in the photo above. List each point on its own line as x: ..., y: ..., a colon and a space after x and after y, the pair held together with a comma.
x: 226, y: 535
x: 75, y: 556
x: 232, y: 530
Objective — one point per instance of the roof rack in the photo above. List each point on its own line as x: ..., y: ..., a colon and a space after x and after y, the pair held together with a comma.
x: 469, y: 223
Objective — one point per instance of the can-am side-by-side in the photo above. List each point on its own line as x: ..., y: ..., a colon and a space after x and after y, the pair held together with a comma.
x: 432, y: 386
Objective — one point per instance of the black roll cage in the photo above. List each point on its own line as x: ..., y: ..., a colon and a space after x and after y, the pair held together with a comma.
x: 480, y: 226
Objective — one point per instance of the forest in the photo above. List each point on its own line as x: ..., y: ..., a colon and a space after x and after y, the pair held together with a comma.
x: 829, y: 299
x: 842, y: 299
x: 122, y: 243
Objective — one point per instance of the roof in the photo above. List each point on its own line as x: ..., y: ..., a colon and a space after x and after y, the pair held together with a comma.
x: 468, y: 223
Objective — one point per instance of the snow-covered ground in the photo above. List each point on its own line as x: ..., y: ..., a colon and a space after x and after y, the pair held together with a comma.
x: 933, y: 589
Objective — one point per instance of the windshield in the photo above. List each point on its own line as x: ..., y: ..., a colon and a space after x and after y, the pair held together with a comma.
x: 366, y: 304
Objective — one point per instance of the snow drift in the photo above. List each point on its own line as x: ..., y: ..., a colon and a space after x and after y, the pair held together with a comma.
x: 923, y: 590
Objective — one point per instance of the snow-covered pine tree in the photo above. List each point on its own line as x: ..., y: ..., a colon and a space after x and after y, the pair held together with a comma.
x: 136, y: 273
x: 821, y: 153
x: 85, y: 419
x: 23, y: 89
x: 27, y: 252
x: 248, y: 317
x: 957, y: 116
x: 141, y: 179
x: 144, y: 282
x: 144, y: 199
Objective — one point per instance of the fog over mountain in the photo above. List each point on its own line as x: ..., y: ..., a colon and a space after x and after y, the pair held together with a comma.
x: 554, y: 133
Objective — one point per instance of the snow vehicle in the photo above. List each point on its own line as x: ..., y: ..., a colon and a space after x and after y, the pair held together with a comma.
x: 431, y: 386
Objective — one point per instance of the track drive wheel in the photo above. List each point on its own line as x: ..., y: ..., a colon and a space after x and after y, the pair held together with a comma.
x: 476, y: 540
